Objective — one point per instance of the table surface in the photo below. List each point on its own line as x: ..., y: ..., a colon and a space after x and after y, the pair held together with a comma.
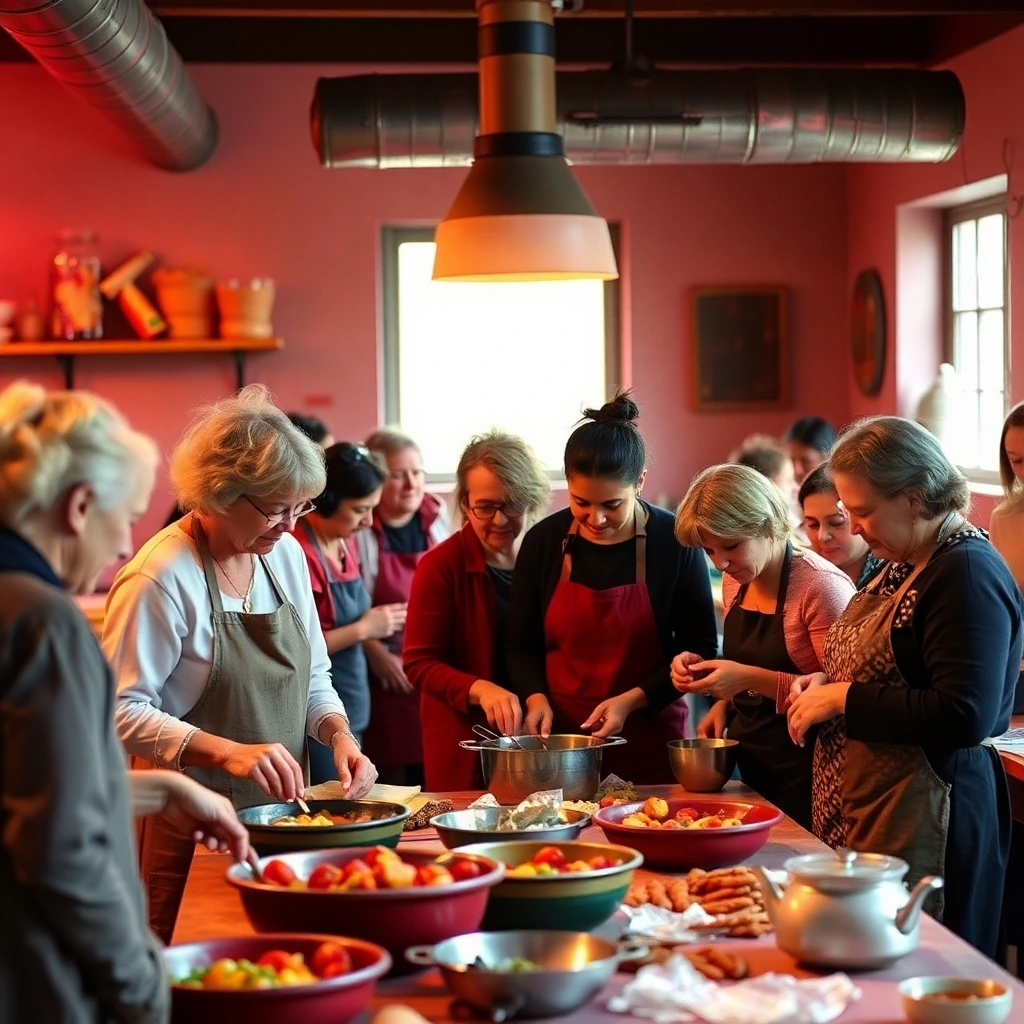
x: 211, y: 908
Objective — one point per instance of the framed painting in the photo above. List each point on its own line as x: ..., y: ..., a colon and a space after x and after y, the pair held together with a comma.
x: 740, y: 344
x: 867, y: 332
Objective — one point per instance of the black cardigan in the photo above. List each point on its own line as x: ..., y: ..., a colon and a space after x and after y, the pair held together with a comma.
x: 677, y: 580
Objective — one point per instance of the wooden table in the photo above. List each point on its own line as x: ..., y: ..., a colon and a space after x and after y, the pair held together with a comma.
x: 211, y: 908
x: 1014, y: 765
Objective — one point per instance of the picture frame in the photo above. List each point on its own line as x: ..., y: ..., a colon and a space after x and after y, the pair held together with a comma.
x: 867, y: 332
x: 739, y: 338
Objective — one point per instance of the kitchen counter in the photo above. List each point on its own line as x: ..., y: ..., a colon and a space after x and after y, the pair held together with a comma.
x: 211, y: 908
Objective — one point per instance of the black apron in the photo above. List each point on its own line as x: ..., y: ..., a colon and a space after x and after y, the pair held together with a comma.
x: 349, y: 674
x: 768, y: 760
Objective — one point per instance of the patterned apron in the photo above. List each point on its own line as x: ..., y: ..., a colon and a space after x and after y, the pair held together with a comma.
x: 877, y: 797
x: 601, y: 643
x: 257, y: 692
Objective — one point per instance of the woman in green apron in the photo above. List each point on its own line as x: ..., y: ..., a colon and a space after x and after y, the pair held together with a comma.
x: 222, y: 669
x: 779, y: 605
x: 921, y: 670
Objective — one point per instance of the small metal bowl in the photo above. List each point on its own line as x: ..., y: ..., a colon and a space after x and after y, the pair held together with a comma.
x: 573, y: 968
x: 702, y: 765
x: 968, y: 1000
x: 480, y: 825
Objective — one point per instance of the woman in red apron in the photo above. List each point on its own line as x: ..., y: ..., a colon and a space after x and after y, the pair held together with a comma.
x: 407, y: 523
x: 921, y: 670
x: 458, y: 611
x: 602, y: 598
x: 779, y: 604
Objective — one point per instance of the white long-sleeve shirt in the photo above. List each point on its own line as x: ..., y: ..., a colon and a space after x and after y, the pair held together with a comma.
x: 158, y: 636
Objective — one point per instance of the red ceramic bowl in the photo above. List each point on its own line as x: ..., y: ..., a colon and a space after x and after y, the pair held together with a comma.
x: 393, y: 918
x: 333, y: 1001
x: 683, y: 848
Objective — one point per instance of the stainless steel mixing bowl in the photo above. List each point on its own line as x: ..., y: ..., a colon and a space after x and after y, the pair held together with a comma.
x: 702, y: 766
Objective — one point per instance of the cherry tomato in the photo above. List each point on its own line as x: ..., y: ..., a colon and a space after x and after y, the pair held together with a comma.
x: 324, y: 876
x: 465, y: 868
x: 330, y: 959
x: 278, y: 959
x: 278, y: 873
x: 549, y: 855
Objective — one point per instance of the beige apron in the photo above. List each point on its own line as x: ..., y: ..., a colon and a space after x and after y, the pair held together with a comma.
x: 257, y: 692
x: 876, y: 797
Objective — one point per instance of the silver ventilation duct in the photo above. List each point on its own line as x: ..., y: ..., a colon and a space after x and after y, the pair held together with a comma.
x: 750, y: 116
x: 115, y: 55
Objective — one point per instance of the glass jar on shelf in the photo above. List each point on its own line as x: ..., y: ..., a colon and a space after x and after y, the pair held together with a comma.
x: 77, y: 304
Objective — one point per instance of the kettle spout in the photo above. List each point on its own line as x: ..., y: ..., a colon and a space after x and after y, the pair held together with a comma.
x: 907, y: 918
x: 770, y: 889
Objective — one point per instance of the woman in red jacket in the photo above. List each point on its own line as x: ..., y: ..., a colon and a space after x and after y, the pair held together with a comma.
x: 455, y: 630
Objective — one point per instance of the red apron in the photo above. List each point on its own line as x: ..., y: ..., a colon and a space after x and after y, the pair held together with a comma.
x: 393, y: 738
x: 601, y: 643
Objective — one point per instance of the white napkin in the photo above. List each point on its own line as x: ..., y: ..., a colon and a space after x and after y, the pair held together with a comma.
x: 666, y: 925
x: 487, y: 800
x: 677, y: 991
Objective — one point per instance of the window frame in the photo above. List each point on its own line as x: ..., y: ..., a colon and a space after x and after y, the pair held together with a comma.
x: 392, y: 236
x: 951, y: 217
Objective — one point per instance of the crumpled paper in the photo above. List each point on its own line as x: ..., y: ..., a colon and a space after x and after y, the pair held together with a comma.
x: 667, y: 926
x: 677, y: 991
x: 539, y: 810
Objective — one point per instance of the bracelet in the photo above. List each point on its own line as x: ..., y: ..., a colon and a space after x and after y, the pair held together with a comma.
x: 178, y: 767
x: 349, y: 734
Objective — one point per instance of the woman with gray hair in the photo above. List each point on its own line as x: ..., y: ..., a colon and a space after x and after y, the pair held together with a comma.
x: 921, y: 670
x: 458, y: 609
x: 221, y: 665
x: 780, y: 603
x: 74, y: 946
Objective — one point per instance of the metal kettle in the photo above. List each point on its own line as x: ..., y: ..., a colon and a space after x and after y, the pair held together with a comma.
x: 848, y: 910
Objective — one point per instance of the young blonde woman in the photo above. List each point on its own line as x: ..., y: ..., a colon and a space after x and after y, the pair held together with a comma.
x: 455, y: 634
x: 779, y: 604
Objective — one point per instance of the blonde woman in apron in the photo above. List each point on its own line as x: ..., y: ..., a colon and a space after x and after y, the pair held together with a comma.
x: 221, y: 665
x: 920, y: 671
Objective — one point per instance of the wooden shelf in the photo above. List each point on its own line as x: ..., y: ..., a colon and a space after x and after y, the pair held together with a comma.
x: 65, y: 352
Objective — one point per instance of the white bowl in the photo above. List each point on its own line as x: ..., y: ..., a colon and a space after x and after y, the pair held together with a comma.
x: 974, y: 1000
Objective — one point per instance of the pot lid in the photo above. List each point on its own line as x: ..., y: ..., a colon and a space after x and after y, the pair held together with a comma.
x: 845, y: 870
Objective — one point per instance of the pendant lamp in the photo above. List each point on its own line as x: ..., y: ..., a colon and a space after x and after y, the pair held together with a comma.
x: 520, y: 214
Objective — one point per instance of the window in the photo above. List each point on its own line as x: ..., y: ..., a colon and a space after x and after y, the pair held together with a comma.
x: 977, y: 331
x: 460, y: 358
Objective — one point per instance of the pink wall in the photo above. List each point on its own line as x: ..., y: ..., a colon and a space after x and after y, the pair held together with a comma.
x: 992, y: 76
x: 263, y: 206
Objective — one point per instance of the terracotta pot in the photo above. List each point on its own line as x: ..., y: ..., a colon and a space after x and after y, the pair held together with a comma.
x: 185, y: 296
x: 245, y: 308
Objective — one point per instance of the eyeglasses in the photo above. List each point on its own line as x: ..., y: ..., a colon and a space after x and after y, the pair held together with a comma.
x: 279, y: 517
x: 488, y: 512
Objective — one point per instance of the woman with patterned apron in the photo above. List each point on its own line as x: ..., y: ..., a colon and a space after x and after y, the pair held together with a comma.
x: 354, y: 480
x: 221, y: 666
x: 922, y: 665
x: 780, y: 604
x: 602, y: 597
x: 407, y: 523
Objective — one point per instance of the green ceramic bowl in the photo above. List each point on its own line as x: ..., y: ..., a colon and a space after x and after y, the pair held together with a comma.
x: 576, y: 902
x: 383, y: 828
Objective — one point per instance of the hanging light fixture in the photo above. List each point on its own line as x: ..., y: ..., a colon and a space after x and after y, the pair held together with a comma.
x: 520, y: 214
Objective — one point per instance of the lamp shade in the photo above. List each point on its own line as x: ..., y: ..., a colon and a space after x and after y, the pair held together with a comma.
x: 520, y: 215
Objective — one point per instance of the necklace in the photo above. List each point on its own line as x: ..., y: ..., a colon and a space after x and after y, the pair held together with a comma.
x: 947, y: 525
x: 338, y: 555
x: 247, y: 596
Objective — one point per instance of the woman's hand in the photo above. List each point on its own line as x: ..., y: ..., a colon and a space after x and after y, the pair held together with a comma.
x: 502, y: 708
x: 387, y: 668
x: 802, y: 683
x: 815, y: 705
x: 718, y: 678
x: 680, y: 670
x: 610, y: 715
x: 204, y: 815
x: 383, y: 621
x: 269, y: 765
x: 712, y: 725
x: 356, y: 772
x: 539, y: 715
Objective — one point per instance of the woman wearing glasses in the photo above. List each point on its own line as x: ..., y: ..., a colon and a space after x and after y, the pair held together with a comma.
x: 604, y: 596
x: 355, y: 476
x: 221, y: 666
x: 455, y: 635
x: 407, y: 523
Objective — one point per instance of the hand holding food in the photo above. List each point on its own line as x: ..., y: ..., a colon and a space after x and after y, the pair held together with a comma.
x: 682, y: 677
x: 609, y: 717
x: 539, y: 715
x: 269, y: 765
x: 501, y: 706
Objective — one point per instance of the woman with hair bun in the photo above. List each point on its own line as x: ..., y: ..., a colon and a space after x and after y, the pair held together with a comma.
x: 603, y: 598
x: 355, y: 476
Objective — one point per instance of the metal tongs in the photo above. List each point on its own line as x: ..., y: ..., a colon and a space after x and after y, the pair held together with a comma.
x: 488, y: 734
